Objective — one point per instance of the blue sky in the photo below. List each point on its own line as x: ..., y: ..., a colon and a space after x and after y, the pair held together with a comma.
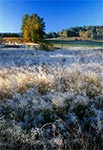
x: 57, y: 14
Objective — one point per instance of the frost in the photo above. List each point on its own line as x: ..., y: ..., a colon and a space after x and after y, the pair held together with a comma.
x: 51, y: 100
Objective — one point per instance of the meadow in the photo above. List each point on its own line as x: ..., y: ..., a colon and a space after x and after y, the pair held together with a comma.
x: 51, y: 100
x: 75, y: 42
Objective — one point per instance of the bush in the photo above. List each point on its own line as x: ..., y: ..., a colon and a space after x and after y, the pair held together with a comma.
x: 46, y: 46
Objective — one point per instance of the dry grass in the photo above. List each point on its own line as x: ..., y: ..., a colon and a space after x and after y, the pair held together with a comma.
x: 57, y: 107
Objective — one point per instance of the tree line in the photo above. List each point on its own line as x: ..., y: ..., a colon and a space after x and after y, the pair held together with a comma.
x: 92, y: 32
x: 10, y: 34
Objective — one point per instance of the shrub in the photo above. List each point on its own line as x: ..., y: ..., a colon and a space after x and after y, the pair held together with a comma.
x: 46, y: 46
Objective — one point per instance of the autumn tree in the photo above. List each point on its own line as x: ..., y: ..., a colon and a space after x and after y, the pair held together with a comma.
x: 92, y: 32
x: 33, y: 28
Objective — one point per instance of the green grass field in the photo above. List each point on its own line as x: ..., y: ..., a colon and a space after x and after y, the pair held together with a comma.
x: 80, y: 43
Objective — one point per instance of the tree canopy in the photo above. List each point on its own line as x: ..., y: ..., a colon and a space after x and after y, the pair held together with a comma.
x: 33, y: 28
x: 92, y: 32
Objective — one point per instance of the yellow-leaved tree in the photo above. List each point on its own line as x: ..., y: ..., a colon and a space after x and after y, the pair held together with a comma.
x: 33, y: 28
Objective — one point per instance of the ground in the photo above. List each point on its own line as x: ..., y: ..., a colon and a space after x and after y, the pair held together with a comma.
x: 51, y: 99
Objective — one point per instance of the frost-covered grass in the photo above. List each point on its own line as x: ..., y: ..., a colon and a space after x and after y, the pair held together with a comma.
x: 51, y: 100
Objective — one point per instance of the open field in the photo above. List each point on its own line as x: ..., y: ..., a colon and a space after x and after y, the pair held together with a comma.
x: 51, y: 100
x: 58, y: 42
x: 75, y: 41
x: 11, y: 40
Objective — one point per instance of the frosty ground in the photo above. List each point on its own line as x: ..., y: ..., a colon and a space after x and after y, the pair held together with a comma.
x: 51, y: 99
